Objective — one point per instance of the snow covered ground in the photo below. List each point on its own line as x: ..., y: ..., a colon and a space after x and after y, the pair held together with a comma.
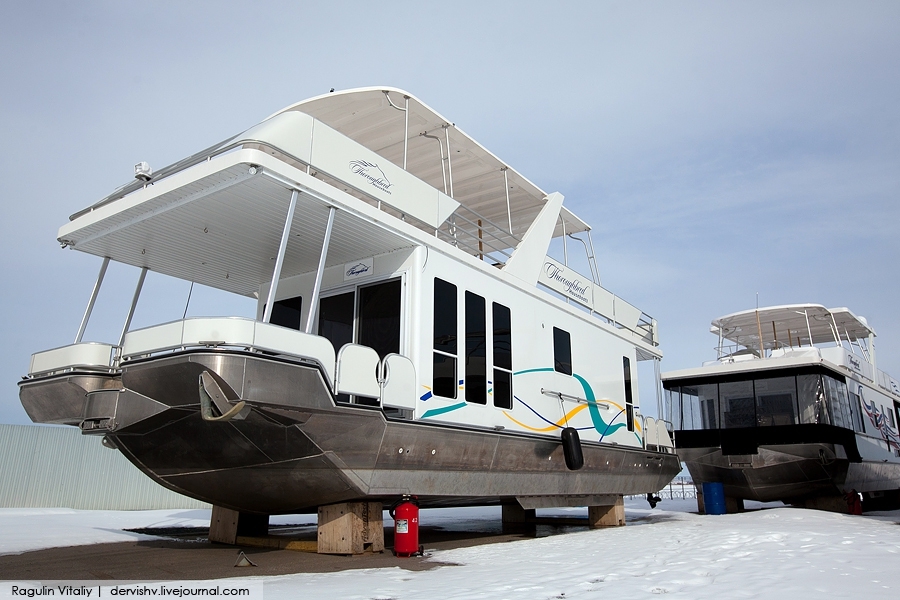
x: 776, y: 552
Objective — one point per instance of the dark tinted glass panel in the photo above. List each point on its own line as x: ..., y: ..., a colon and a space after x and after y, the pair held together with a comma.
x: 626, y: 365
x: 287, y: 312
x: 856, y: 410
x: 836, y: 391
x: 502, y: 337
x: 708, y: 398
x: 673, y: 400
x: 738, y: 406
x: 444, y: 376
x: 629, y: 398
x: 444, y: 316
x: 776, y: 401
x: 811, y: 398
x: 476, y: 349
x: 502, y: 389
x: 379, y: 317
x: 562, y: 351
x: 690, y: 414
x: 336, y: 319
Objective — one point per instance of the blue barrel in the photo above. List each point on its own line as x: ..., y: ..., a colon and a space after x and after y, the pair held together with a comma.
x: 714, y: 498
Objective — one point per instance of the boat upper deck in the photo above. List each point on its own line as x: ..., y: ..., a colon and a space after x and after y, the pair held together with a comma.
x: 789, y: 336
x: 389, y: 171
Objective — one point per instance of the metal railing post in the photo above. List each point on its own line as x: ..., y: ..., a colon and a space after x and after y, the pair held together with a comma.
x: 90, y: 306
x: 449, y: 160
x: 134, y: 301
x: 279, y: 260
x: 314, y: 301
x: 506, y: 187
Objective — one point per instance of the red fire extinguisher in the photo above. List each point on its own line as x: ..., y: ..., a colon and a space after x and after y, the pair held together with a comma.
x: 405, y: 513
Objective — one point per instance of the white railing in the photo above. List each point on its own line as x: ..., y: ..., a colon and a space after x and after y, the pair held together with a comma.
x: 86, y: 356
x: 656, y: 434
x: 235, y: 332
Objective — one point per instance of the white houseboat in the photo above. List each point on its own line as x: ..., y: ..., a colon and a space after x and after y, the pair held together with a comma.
x: 412, y: 335
x: 793, y: 409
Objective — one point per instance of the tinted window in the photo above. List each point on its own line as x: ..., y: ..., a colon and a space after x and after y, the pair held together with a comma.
x: 562, y: 351
x: 444, y: 382
x: 444, y: 316
x: 502, y: 385
x: 476, y: 349
x: 502, y: 337
x: 379, y: 317
x: 776, y: 401
x: 287, y: 312
x: 738, y: 406
x: 629, y: 398
x: 503, y: 389
x: 336, y: 319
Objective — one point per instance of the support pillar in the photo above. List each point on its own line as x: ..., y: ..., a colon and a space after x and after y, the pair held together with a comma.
x: 514, y: 514
x: 607, y: 516
x: 350, y: 528
x: 226, y: 525
x: 701, y: 509
x: 734, y: 505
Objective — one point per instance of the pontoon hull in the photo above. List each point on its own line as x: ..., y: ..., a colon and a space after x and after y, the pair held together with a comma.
x: 296, y: 449
x: 820, y: 462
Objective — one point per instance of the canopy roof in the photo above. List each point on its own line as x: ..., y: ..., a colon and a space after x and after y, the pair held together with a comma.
x: 366, y: 115
x: 790, y: 324
x: 216, y: 217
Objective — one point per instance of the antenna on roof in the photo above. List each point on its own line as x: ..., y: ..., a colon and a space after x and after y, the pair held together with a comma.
x: 142, y: 171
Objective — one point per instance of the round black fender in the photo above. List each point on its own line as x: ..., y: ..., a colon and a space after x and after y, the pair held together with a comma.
x: 572, y: 448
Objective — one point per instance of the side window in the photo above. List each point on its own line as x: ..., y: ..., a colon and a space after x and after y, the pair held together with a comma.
x: 287, y: 312
x: 629, y: 398
x: 562, y: 351
x: 856, y: 409
x: 503, y: 392
x: 379, y: 317
x: 444, y: 371
x: 476, y: 349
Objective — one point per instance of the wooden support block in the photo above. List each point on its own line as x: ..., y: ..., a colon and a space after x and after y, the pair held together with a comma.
x: 515, y: 514
x: 350, y: 528
x: 829, y: 503
x: 225, y: 525
x: 607, y: 516
x: 701, y: 509
x: 734, y: 505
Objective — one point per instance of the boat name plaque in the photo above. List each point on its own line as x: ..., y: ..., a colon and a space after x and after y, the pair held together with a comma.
x: 371, y: 173
x: 359, y: 268
x: 567, y: 282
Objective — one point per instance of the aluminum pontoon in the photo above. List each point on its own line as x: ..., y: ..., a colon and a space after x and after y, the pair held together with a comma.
x: 412, y: 336
x: 794, y: 408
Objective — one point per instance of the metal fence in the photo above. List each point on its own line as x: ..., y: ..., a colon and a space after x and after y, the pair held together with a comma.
x: 680, y: 488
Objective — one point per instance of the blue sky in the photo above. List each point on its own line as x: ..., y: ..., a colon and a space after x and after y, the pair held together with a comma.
x: 720, y: 150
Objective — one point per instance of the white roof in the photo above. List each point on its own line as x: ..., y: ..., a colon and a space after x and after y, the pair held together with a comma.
x: 366, y: 116
x: 790, y: 324
x: 211, y: 219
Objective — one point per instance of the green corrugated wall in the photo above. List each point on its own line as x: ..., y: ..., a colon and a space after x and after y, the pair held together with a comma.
x: 55, y: 467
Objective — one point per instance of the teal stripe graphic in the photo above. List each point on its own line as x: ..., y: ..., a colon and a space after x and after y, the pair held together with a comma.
x: 439, y: 411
